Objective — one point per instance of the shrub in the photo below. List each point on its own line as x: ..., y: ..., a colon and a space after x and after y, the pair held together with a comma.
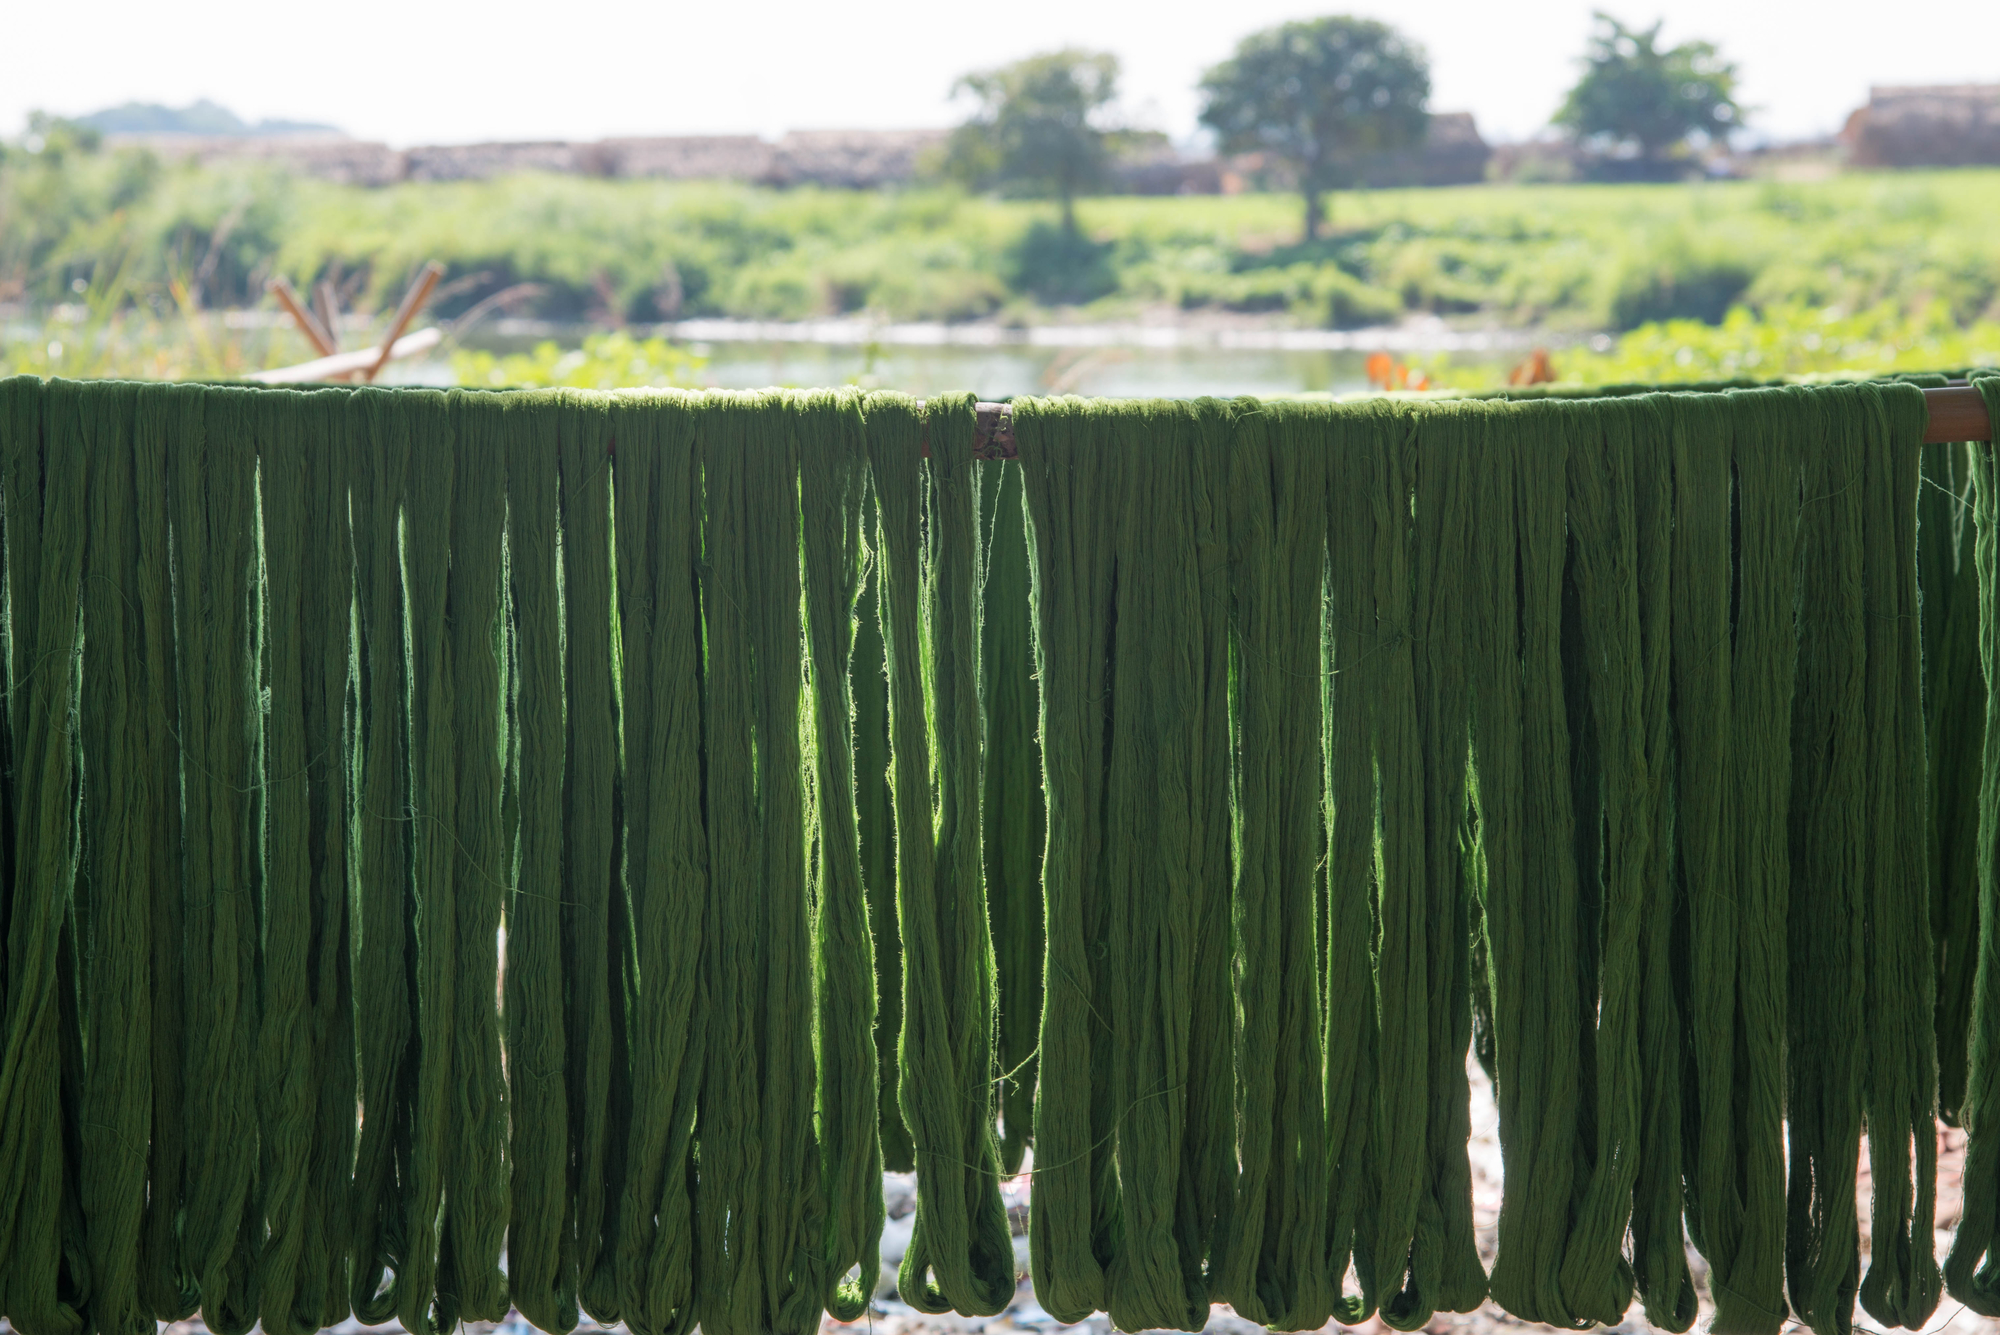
x: 1059, y: 267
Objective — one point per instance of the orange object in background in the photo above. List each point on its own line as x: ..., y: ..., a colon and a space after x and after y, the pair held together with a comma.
x: 1537, y: 370
x: 1385, y: 372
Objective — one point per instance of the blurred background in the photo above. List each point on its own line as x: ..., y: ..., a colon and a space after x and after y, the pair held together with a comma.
x: 1107, y: 198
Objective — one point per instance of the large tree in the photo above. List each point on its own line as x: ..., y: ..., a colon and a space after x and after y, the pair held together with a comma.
x: 1036, y: 130
x: 1319, y: 96
x: 1643, y: 104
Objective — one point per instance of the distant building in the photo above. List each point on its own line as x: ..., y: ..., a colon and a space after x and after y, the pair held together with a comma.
x: 844, y: 158
x: 1943, y: 126
x: 1453, y: 153
x: 855, y: 159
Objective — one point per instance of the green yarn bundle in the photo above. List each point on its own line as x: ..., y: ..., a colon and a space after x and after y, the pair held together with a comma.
x: 553, y: 851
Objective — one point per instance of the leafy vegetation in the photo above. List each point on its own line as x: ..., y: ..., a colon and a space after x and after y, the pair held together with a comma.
x: 1036, y: 131
x: 1790, y: 340
x: 1557, y: 257
x: 605, y: 361
x: 1640, y: 106
x: 1319, y: 96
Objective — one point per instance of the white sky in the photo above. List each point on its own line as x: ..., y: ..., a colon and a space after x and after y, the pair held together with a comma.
x: 408, y: 72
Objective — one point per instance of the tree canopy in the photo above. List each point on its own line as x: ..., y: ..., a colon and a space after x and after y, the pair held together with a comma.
x: 1638, y: 102
x: 1037, y: 129
x: 1319, y: 96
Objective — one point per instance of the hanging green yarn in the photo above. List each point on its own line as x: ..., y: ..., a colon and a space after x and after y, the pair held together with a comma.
x: 430, y: 912
x: 475, y: 858
x: 1270, y: 1264
x: 1828, y: 812
x: 213, y: 482
x: 42, y: 1269
x: 1445, y: 1272
x: 541, y: 1264
x: 833, y: 482
x: 1398, y: 767
x: 1903, y: 1284
x: 164, y: 414
x: 1073, y: 493
x: 1972, y: 1268
x: 658, y: 524
x: 1955, y: 740
x: 1165, y: 791
x: 875, y: 821
x: 1014, y: 820
x: 287, y: 1087
x: 119, y: 742
x: 1527, y: 832
x: 1735, y: 483
x: 1635, y: 714
x: 1618, y: 512
x: 596, y: 931
x: 960, y: 1255
x: 760, y: 1205
x: 326, y: 590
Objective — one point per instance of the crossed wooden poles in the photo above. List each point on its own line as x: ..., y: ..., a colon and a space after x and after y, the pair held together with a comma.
x: 322, y: 330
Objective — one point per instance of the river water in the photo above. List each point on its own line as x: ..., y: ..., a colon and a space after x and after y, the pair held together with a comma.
x: 996, y: 362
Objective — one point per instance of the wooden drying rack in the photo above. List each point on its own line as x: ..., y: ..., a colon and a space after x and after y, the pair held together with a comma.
x: 1957, y: 412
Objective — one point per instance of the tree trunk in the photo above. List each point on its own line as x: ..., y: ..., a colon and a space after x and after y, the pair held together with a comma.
x: 1315, y: 214
x: 1068, y: 213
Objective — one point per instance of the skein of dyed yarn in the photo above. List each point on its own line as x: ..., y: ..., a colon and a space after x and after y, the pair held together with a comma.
x: 596, y: 926
x: 1074, y: 496
x: 163, y: 415
x: 212, y: 477
x: 1269, y: 1263
x: 1900, y: 1094
x: 541, y: 1258
x: 287, y: 1072
x: 476, y: 855
x: 833, y: 489
x: 1013, y: 818
x: 123, y: 855
x: 930, y: 536
x: 1972, y: 1267
x: 760, y: 1205
x: 658, y: 519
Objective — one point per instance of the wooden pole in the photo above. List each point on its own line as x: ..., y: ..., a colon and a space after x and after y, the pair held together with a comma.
x: 1957, y: 412
x: 316, y: 333
x: 413, y: 301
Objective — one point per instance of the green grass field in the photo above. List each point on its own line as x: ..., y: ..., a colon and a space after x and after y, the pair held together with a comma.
x: 1913, y: 256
